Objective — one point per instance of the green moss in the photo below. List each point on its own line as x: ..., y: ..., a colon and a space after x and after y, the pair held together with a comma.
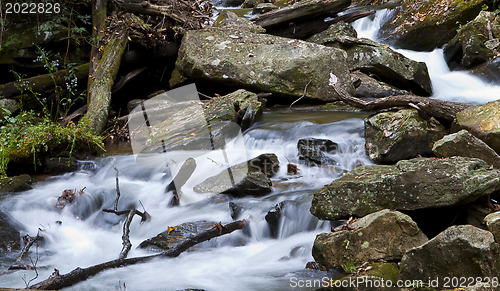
x: 28, y: 136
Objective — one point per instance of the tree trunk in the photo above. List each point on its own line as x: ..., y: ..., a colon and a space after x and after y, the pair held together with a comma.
x: 301, y: 11
x: 42, y: 83
x: 79, y: 274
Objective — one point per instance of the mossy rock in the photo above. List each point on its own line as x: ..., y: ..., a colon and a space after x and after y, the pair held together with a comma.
x: 15, y: 184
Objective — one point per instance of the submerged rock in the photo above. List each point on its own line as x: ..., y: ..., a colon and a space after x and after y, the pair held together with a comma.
x: 394, y: 136
x: 9, y: 236
x: 483, y: 122
x: 462, y: 251
x: 472, y: 45
x: 261, y: 62
x: 174, y: 236
x: 465, y: 144
x: 492, y: 221
x: 384, y: 235
x: 425, y: 25
x: 315, y: 151
x: 409, y: 185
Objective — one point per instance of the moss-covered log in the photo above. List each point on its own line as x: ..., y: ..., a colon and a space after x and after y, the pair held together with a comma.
x: 41, y: 83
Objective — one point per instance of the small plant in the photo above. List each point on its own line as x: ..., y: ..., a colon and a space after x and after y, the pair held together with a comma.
x: 350, y: 267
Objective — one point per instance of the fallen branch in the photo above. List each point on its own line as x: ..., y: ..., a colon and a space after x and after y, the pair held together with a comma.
x: 441, y: 110
x: 79, y: 274
x: 28, y: 243
x: 180, y: 179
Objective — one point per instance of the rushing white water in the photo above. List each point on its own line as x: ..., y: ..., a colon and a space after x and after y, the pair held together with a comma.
x: 250, y: 260
x: 460, y: 86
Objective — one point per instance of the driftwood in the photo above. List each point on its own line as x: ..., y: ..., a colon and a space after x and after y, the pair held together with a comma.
x: 305, y: 28
x: 42, y: 83
x: 300, y: 11
x: 79, y: 274
x: 444, y: 111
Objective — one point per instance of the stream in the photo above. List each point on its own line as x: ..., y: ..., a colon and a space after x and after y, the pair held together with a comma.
x: 249, y: 260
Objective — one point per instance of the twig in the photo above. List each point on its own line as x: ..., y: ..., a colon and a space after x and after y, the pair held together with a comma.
x: 303, y: 95
x: 29, y: 241
x: 117, y: 189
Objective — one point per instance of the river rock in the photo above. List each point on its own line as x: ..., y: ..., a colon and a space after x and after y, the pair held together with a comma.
x: 330, y: 35
x: 459, y: 251
x: 263, y: 8
x: 228, y: 3
x: 315, y: 151
x: 170, y: 239
x: 483, y: 122
x: 385, y: 64
x: 489, y: 71
x: 375, y: 277
x: 465, y: 144
x: 229, y: 20
x: 470, y: 47
x: 8, y: 106
x: 384, y: 235
x: 261, y: 62
x: 252, y: 179
x: 492, y: 221
x: 9, y: 236
x: 367, y: 86
x: 408, y: 185
x: 394, y: 136
x: 253, y: 3
x: 15, y: 184
x: 425, y: 25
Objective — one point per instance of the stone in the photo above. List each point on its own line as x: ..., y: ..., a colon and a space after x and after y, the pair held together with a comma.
x: 8, y: 107
x: 369, y: 87
x: 15, y: 184
x: 265, y: 163
x: 375, y: 277
x: 472, y: 45
x: 263, y: 8
x: 404, y: 134
x: 489, y: 71
x: 384, y: 235
x: 260, y: 62
x: 315, y: 152
x: 425, y: 25
x: 330, y: 35
x: 176, y: 235
x: 253, y: 3
x: 459, y: 251
x: 385, y: 64
x: 464, y: 144
x: 492, y: 221
x: 408, y: 185
x: 229, y: 20
x: 483, y: 122
x: 9, y: 235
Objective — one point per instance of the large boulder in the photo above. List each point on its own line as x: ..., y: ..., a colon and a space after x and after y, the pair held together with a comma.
x: 472, y: 45
x: 465, y: 144
x: 387, y: 65
x: 370, y: 87
x: 261, y: 62
x: 425, y: 25
x: 174, y: 236
x: 492, y: 221
x: 483, y: 122
x: 394, y: 136
x: 462, y: 251
x: 384, y: 235
x: 409, y: 185
x: 9, y: 235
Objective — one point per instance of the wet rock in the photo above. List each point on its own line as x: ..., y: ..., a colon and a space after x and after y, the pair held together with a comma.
x: 265, y: 163
x: 15, y: 184
x: 367, y: 86
x: 251, y: 183
x: 315, y: 151
x: 330, y: 35
x: 465, y: 144
x: 469, y: 47
x: 242, y: 107
x: 394, y: 136
x: 489, y: 71
x: 425, y: 25
x: 9, y: 236
x: 459, y: 251
x: 235, y: 209
x: 492, y: 221
x: 385, y: 64
x: 273, y: 218
x: 264, y: 7
x: 8, y: 106
x: 409, y: 185
x: 384, y: 235
x: 176, y: 235
x: 229, y: 20
x: 483, y: 122
x: 261, y: 62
